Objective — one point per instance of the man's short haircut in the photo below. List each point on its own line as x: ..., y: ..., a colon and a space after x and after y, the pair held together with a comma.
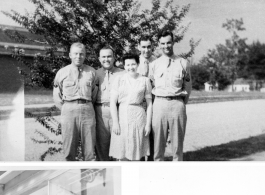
x: 130, y: 56
x: 165, y: 33
x: 79, y: 45
x: 145, y: 38
x: 107, y: 47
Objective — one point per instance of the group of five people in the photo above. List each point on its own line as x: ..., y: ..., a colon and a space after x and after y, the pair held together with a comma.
x: 124, y: 114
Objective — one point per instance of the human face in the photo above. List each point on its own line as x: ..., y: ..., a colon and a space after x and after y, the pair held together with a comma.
x: 130, y: 66
x: 106, y: 58
x: 166, y: 45
x: 145, y: 48
x: 77, y: 55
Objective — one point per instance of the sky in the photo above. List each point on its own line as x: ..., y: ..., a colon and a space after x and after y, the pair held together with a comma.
x: 205, y: 17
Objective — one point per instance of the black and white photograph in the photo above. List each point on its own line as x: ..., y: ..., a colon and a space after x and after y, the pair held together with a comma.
x: 128, y: 80
x: 61, y: 181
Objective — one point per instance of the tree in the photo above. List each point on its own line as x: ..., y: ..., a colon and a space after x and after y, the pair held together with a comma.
x: 256, y: 61
x: 227, y: 60
x: 199, y: 75
x: 118, y: 23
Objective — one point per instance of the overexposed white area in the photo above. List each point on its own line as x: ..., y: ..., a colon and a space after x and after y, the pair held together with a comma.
x: 221, y: 122
x: 21, y: 6
x: 130, y: 178
x: 12, y: 132
x: 202, y: 178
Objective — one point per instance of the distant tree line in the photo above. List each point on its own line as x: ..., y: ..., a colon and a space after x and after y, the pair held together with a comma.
x: 227, y: 62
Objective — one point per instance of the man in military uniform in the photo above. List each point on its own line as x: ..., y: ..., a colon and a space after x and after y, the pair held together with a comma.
x: 74, y: 87
x: 105, y: 76
x: 146, y: 57
x: 172, y: 87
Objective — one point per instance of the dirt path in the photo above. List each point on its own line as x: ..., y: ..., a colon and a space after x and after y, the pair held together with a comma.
x: 217, y: 123
x: 208, y: 124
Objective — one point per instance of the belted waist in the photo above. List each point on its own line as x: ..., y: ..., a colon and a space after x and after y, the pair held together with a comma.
x: 171, y: 97
x: 131, y: 104
x: 103, y: 104
x: 79, y: 101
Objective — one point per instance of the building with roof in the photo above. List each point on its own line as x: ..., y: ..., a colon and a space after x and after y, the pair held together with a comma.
x: 210, y: 87
x: 10, y: 79
x: 239, y: 85
x: 86, y: 181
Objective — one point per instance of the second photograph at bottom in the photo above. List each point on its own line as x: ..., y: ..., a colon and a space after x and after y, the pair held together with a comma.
x: 66, y: 181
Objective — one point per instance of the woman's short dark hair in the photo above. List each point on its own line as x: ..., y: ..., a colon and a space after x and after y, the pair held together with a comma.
x: 165, y: 33
x: 130, y: 56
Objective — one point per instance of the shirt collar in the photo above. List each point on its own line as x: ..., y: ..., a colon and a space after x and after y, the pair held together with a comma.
x: 173, y: 57
x: 77, y: 67
x: 110, y: 71
x: 143, y: 59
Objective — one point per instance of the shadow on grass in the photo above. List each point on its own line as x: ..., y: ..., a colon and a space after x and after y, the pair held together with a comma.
x: 228, y: 151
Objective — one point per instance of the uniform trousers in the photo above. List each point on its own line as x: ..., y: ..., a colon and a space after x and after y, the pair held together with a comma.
x: 151, y: 138
x: 169, y: 116
x: 103, y: 132
x: 78, y: 120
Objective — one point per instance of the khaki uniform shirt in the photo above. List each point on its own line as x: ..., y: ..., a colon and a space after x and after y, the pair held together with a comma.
x: 144, y: 64
x: 72, y: 83
x: 171, y: 77
x: 104, y: 80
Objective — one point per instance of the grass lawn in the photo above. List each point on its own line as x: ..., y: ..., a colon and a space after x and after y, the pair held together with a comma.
x: 44, y: 96
x: 6, y: 98
x: 197, y: 94
x: 228, y: 151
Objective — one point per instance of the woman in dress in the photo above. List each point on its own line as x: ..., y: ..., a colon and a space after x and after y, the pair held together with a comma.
x: 131, y: 124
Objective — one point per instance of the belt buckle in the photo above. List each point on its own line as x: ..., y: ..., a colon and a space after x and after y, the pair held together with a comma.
x: 106, y: 104
x: 80, y: 101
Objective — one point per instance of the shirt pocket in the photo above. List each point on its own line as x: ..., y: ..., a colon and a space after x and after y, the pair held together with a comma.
x: 87, y: 88
x: 159, y: 80
x: 69, y: 88
x: 177, y: 79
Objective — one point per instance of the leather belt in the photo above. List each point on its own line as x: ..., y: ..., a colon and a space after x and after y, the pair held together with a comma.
x: 103, y: 104
x: 171, y: 97
x: 79, y: 101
